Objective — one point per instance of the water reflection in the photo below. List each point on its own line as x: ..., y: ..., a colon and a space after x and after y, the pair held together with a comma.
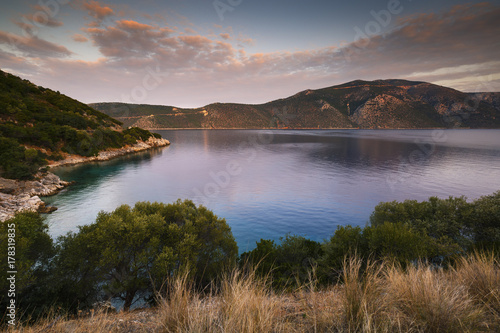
x: 303, y: 182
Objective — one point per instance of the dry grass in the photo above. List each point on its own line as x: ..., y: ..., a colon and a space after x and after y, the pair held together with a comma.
x: 135, y: 321
x: 480, y: 276
x: 429, y: 301
x: 371, y: 298
x: 244, y: 304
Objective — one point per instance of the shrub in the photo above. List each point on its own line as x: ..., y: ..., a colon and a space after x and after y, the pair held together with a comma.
x: 130, y: 251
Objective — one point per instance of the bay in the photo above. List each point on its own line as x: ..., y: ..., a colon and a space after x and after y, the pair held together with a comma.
x: 270, y: 183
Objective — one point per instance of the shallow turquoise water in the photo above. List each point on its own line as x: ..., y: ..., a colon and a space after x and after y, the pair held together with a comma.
x: 269, y: 183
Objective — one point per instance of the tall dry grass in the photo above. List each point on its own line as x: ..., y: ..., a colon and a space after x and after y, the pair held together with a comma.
x: 244, y: 304
x: 428, y: 300
x: 479, y: 274
x: 371, y: 297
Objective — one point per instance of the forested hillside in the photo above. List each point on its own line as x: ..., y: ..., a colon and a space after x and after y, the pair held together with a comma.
x: 356, y: 104
x: 38, y: 124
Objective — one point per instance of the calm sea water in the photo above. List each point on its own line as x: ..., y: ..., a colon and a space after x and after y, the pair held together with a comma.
x: 269, y: 183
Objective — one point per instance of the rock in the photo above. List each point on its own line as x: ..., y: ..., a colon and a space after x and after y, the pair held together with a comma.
x: 24, y: 196
x: 112, y: 153
x: 7, y: 186
x: 47, y: 209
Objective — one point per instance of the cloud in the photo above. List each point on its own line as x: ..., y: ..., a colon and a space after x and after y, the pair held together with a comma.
x: 465, y: 35
x: 79, y: 38
x: 98, y: 11
x: 42, y: 17
x: 458, y: 48
x: 225, y: 36
x: 128, y: 39
x: 33, y: 46
x: 446, y: 71
x: 133, y: 25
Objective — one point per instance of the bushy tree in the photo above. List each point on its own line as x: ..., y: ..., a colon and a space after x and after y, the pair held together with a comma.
x: 346, y: 241
x: 483, y: 223
x: 130, y: 251
x: 17, y: 162
x: 436, y: 217
x: 288, y: 263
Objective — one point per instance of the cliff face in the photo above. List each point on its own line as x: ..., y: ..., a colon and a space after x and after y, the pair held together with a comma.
x: 357, y: 104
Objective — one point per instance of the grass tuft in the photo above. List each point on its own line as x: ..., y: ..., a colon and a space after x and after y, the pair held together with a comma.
x: 371, y: 297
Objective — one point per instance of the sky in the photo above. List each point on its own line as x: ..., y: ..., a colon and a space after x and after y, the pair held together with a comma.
x: 190, y: 53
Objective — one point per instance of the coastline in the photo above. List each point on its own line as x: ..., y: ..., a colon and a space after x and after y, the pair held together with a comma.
x: 24, y: 196
x: 311, y: 128
x: 109, y: 154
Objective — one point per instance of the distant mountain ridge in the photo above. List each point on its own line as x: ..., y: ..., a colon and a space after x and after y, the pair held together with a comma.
x: 375, y: 104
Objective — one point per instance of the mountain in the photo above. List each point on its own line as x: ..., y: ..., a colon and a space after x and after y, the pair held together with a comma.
x: 38, y: 124
x: 356, y: 104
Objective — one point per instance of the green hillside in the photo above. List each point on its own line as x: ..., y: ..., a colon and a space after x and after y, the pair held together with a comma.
x: 39, y: 124
x: 356, y: 104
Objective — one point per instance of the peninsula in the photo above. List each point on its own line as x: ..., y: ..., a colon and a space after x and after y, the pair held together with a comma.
x: 41, y: 128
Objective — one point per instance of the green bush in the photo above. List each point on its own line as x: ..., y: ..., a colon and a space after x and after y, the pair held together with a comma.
x: 436, y: 217
x: 288, y: 263
x: 18, y: 162
x: 130, y: 251
x: 346, y: 241
x: 483, y: 223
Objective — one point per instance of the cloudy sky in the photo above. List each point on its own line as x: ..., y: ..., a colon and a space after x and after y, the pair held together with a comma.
x: 190, y: 53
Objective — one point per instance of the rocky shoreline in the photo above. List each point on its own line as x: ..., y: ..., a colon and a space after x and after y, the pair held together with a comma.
x: 112, y: 153
x: 21, y: 196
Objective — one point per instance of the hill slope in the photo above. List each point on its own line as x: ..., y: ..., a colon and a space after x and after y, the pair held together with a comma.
x: 357, y: 104
x: 38, y: 124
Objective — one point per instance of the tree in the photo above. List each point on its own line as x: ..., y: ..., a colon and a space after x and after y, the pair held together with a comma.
x: 483, y: 224
x: 346, y: 241
x: 288, y: 263
x: 396, y: 242
x: 436, y: 217
x: 16, y: 162
x: 130, y: 251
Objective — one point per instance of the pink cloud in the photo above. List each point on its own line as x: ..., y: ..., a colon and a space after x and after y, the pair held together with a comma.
x: 79, y: 38
x: 215, y: 69
x: 133, y: 25
x: 98, y: 11
x: 33, y: 46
